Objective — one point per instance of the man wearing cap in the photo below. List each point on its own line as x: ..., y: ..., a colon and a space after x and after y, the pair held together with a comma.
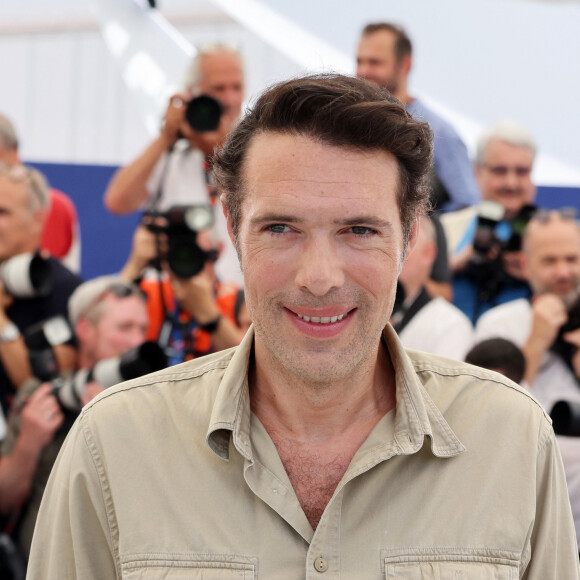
x: 319, y: 447
x: 23, y: 210
x: 109, y: 317
x: 174, y: 168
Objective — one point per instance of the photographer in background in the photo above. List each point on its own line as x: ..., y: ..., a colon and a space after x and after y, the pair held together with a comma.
x: 425, y: 322
x: 109, y: 317
x: 551, y: 261
x: 191, y: 312
x: 174, y: 168
x: 23, y: 210
x: 547, y: 328
x: 486, y: 263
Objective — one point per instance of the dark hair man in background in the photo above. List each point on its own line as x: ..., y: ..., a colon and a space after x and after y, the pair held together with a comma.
x: 384, y: 57
x: 319, y: 445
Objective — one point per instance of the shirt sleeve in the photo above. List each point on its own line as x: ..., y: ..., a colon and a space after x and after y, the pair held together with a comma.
x: 75, y: 534
x: 553, y: 545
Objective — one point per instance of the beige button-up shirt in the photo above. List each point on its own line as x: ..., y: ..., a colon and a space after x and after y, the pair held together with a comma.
x: 172, y: 476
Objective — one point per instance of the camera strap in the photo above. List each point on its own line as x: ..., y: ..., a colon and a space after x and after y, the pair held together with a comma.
x: 405, y: 314
x: 153, y: 206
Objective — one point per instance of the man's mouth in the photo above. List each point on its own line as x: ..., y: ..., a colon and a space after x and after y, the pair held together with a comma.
x: 322, y: 319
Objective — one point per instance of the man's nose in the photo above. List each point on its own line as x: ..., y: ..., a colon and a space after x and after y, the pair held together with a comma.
x: 320, y: 268
x: 564, y: 270
x: 511, y: 179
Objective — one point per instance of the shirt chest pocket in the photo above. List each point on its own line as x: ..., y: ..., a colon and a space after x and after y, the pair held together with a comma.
x: 446, y: 565
x: 192, y: 567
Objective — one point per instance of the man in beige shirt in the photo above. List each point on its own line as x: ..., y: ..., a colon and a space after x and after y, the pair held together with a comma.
x: 318, y: 448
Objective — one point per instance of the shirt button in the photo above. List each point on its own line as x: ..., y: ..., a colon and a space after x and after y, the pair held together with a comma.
x: 321, y: 565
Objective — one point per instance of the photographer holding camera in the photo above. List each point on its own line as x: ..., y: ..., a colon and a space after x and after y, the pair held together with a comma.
x: 32, y: 287
x: 174, y: 168
x: 109, y: 317
x: 547, y: 327
x: 541, y: 326
x: 191, y: 312
x: 486, y: 262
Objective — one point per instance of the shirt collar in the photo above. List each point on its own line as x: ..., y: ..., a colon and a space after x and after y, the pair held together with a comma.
x: 416, y: 414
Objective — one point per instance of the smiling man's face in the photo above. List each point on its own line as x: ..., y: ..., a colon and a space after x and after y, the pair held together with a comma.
x: 321, y: 246
x: 505, y: 176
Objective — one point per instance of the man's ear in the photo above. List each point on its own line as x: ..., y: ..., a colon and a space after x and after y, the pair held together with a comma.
x: 83, y: 330
x: 405, y: 65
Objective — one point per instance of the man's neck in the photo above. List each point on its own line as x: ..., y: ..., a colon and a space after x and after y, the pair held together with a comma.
x: 285, y: 403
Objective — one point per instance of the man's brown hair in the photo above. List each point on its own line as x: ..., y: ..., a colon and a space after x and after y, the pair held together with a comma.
x: 337, y: 110
x: 403, y: 46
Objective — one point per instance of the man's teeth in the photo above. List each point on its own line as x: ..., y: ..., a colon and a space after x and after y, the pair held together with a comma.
x: 321, y: 319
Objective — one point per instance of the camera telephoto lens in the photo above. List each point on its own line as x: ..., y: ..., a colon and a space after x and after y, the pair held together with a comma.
x: 203, y: 113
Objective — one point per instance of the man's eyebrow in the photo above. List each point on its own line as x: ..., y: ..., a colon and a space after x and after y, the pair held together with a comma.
x: 367, y: 220
x: 274, y: 218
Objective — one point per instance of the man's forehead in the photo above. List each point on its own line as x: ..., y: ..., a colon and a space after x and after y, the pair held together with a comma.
x: 556, y: 232
x: 15, y: 191
x: 219, y: 64
x: 380, y: 42
x: 283, y: 149
x: 498, y: 148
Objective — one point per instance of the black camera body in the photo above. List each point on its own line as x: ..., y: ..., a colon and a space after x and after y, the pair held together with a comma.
x: 40, y: 339
x: 203, y: 113
x: 490, y: 214
x: 181, y: 224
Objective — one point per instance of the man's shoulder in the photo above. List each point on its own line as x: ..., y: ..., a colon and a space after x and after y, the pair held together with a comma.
x: 449, y: 381
x: 448, y: 310
x: 439, y: 125
x: 514, y: 309
x: 196, y: 377
x: 63, y: 276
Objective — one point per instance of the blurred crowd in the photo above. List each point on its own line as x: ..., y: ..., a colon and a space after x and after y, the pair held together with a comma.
x: 491, y: 279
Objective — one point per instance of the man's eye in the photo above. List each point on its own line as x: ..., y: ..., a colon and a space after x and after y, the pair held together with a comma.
x: 278, y: 228
x: 361, y: 230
